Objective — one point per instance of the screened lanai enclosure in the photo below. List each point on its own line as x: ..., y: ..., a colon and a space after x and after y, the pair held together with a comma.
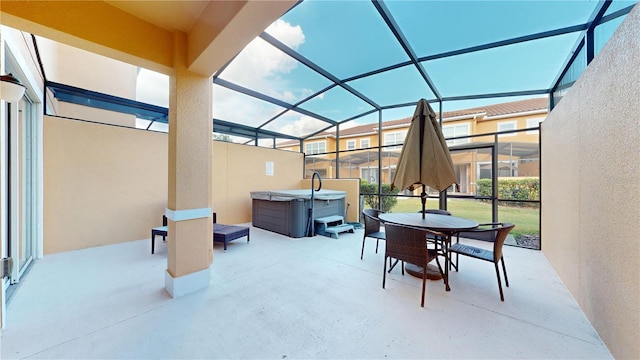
x: 327, y: 67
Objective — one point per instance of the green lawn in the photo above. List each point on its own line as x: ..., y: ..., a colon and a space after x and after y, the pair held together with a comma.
x: 526, y: 219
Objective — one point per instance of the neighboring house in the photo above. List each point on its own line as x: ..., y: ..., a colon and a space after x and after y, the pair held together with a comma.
x: 513, y: 124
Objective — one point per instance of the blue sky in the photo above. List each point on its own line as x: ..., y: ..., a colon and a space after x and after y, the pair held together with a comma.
x: 349, y: 38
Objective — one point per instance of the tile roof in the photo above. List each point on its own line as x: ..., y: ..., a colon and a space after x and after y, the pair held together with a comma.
x: 512, y: 107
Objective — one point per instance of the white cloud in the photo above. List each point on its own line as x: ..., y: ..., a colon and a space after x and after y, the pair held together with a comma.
x: 260, y: 67
x: 231, y: 106
x: 263, y: 68
x: 303, y: 125
x: 304, y: 93
x: 292, y: 36
x: 152, y: 88
x: 289, y: 96
x: 349, y: 124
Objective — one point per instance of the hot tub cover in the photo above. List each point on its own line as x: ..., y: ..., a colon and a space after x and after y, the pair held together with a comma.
x: 304, y: 194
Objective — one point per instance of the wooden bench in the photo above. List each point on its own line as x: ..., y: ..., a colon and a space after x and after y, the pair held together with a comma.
x: 221, y: 233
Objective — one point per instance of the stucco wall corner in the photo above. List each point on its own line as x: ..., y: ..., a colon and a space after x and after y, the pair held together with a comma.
x: 591, y: 190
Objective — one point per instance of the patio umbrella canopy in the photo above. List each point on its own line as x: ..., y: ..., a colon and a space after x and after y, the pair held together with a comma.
x: 425, y: 158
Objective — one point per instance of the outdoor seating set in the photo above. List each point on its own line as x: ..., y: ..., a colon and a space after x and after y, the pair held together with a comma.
x: 221, y: 232
x: 417, y: 242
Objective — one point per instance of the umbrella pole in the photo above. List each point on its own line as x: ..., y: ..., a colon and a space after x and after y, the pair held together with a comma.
x: 423, y: 198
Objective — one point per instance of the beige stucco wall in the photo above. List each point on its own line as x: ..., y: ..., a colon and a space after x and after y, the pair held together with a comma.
x: 106, y: 184
x: 352, y: 199
x: 240, y: 169
x: 591, y: 190
x: 78, y: 67
x: 102, y: 184
x: 81, y: 112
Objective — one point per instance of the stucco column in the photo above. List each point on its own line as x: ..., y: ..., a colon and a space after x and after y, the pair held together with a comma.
x: 3, y: 187
x: 190, y: 241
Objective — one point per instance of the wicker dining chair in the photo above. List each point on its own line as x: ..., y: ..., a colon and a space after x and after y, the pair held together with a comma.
x: 410, y: 245
x: 371, y: 228
x: 501, y: 231
x: 457, y: 235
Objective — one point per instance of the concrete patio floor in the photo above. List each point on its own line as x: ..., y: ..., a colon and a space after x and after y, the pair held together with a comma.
x: 279, y: 297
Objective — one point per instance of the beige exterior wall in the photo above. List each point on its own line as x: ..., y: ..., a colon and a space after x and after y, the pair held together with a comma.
x: 352, y: 200
x: 89, y: 202
x: 102, y: 184
x: 98, y: 115
x: 465, y: 163
x: 86, y: 70
x: 373, y: 140
x: 591, y: 192
x: 95, y: 72
x: 294, y: 148
x: 479, y: 125
x: 240, y: 169
x: 491, y: 125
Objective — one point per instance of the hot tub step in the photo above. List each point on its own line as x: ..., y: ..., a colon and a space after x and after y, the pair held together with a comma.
x: 331, y: 226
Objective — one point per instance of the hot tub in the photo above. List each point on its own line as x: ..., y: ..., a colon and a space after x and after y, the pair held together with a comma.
x: 286, y: 211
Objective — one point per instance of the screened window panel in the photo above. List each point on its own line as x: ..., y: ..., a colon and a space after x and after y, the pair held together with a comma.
x: 315, y: 147
x: 357, y: 40
x: 450, y: 131
x: 457, y: 27
x: 502, y: 69
x: 152, y: 88
x: 352, y: 163
x: 116, y: 78
x: 296, y: 124
x: 393, y: 138
x: 232, y: 106
x: 264, y: 68
x: 618, y: 5
x: 337, y: 104
x: 603, y: 33
x: 319, y: 163
x: 397, y: 86
x: 526, y: 234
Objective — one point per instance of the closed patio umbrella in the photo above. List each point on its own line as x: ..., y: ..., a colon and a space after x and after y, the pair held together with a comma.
x: 425, y: 158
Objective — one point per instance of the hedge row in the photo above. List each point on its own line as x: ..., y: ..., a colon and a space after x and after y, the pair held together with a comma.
x: 512, y: 189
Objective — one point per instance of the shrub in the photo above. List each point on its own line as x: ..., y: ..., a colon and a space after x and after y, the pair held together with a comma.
x: 483, y: 187
x: 369, y: 192
x: 512, y: 189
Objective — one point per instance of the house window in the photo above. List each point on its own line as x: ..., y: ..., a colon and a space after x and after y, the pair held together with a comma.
x: 364, y: 143
x: 395, y: 138
x: 351, y: 144
x: 507, y: 126
x: 316, y: 147
x: 449, y: 131
x: 534, y: 123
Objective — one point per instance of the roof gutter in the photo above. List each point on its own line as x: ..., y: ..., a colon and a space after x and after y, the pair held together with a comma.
x: 524, y: 113
x: 342, y: 136
x: 465, y: 116
x: 397, y: 126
